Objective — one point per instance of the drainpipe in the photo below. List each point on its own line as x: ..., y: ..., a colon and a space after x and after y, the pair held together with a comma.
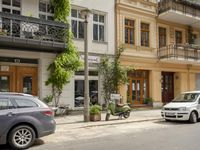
x: 115, y: 20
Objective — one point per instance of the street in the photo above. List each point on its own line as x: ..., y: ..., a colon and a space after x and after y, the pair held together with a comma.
x: 149, y: 135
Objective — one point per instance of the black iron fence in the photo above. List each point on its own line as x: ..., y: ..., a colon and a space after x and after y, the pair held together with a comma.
x: 180, y: 52
x: 17, y: 26
x: 183, y: 6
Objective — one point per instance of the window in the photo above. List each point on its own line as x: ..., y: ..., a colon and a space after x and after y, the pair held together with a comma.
x: 46, y: 11
x: 79, y: 87
x: 178, y: 36
x: 145, y: 34
x: 193, y: 38
x: 27, y: 84
x: 162, y: 37
x: 98, y: 27
x: 25, y: 103
x: 4, y: 83
x: 5, y: 104
x: 79, y: 92
x: 129, y: 31
x: 11, y: 6
x: 77, y: 24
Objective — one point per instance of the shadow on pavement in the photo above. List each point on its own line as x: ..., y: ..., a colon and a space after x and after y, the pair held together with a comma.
x: 5, y: 147
x: 38, y: 142
x: 163, y: 122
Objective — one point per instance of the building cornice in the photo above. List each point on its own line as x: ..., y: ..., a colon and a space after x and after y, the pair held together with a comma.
x: 124, y: 7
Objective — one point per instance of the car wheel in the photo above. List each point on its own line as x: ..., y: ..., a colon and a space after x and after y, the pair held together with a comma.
x: 21, y: 137
x: 193, y: 117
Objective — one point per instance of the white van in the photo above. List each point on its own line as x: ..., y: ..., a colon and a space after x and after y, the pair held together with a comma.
x: 186, y: 106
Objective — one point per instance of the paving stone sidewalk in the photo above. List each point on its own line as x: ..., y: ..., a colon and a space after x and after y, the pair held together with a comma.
x: 76, y: 121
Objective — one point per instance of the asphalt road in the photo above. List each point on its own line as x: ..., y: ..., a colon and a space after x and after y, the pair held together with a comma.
x: 151, y: 135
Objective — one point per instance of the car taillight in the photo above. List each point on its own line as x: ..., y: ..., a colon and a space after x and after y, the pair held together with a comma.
x: 48, y: 113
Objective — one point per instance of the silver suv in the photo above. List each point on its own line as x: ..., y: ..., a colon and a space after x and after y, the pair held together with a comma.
x: 23, y: 118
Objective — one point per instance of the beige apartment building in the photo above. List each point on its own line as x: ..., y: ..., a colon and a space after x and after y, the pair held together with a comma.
x: 161, y: 40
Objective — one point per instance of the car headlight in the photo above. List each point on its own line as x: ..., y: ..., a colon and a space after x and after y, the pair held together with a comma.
x: 182, y: 109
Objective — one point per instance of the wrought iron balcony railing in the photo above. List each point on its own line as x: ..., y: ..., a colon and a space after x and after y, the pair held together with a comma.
x: 32, y: 31
x: 180, y: 52
x: 184, y: 6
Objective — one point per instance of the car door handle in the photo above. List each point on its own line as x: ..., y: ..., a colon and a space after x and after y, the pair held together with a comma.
x: 10, y: 114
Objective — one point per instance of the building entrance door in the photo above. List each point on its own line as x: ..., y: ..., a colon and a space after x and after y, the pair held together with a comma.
x: 167, y: 87
x: 27, y: 80
x: 19, y: 79
x: 136, y: 92
x: 138, y: 87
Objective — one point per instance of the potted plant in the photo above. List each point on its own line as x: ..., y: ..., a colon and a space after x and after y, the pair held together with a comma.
x: 148, y: 101
x: 95, y: 113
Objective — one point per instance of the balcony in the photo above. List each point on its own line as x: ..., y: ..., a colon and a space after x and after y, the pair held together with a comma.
x: 28, y: 33
x: 180, y: 53
x: 180, y: 11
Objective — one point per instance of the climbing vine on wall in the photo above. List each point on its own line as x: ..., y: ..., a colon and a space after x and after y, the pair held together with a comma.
x: 66, y: 63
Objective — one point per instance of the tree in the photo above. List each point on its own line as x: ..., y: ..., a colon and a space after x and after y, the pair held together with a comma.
x: 66, y: 63
x: 113, y: 74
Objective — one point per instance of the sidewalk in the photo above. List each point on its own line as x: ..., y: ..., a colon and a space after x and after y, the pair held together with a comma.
x: 136, y: 116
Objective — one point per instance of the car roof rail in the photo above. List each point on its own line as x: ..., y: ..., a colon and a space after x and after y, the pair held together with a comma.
x: 15, y: 94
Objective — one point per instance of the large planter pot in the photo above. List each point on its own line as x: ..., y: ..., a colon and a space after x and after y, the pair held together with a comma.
x: 95, y: 117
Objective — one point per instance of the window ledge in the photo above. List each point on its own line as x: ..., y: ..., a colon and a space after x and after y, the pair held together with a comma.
x: 139, y: 48
x: 145, y: 48
x: 99, y: 42
x: 130, y: 46
x: 78, y: 39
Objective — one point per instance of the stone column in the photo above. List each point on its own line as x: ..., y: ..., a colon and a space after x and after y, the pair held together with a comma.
x: 155, y: 88
x: 123, y: 92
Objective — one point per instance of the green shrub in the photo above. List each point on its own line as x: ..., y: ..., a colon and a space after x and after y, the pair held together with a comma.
x: 148, y: 100
x: 95, y: 109
x: 48, y: 99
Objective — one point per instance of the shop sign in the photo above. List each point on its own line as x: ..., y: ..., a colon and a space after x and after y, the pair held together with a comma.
x: 92, y: 59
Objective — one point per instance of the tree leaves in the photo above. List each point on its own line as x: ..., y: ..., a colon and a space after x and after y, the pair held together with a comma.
x: 113, y: 74
x: 61, y: 10
x: 66, y: 63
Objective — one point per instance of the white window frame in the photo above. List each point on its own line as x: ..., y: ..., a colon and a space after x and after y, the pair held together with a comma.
x: 10, y: 6
x: 98, y: 23
x: 46, y: 14
x: 78, y: 20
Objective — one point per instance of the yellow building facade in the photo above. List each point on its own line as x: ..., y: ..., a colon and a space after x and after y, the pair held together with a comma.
x: 161, y: 45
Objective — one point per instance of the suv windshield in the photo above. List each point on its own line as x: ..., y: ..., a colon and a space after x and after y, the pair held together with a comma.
x: 186, y: 97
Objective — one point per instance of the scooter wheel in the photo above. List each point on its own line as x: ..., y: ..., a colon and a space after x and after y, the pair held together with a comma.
x: 126, y: 114
x: 107, y: 117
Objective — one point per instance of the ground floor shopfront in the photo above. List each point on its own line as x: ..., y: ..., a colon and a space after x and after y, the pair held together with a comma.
x: 161, y: 81
x: 26, y: 72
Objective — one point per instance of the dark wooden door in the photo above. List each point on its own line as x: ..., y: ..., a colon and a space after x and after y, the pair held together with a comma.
x: 167, y: 86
